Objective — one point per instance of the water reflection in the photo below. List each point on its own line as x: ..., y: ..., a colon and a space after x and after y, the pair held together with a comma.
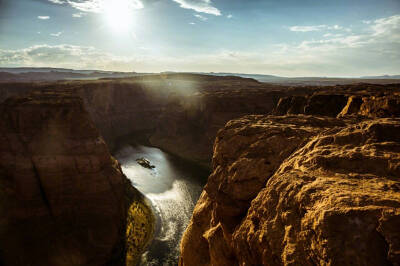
x: 173, y: 188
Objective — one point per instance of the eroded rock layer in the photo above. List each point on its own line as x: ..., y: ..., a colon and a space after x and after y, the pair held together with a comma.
x: 300, y: 190
x: 181, y: 113
x: 64, y: 199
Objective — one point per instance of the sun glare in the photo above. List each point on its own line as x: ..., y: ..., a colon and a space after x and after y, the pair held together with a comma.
x: 119, y: 15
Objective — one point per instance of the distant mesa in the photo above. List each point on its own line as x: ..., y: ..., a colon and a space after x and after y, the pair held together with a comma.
x: 31, y: 74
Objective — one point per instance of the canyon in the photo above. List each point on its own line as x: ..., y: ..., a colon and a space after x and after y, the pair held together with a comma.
x: 303, y: 174
x: 64, y: 198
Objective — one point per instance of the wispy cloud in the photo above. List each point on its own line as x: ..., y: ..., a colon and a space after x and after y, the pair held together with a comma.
x: 229, y: 16
x: 43, y: 17
x: 316, y: 28
x: 60, y: 2
x: 78, y: 15
x: 98, y: 6
x: 68, y: 56
x: 307, y: 28
x: 94, y: 6
x: 326, y: 35
x: 202, y: 18
x: 201, y: 6
x: 58, y: 34
x: 358, y: 53
x: 332, y: 55
x: 389, y: 26
x: 192, y: 23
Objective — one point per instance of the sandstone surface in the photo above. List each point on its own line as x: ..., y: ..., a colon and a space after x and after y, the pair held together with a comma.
x: 64, y: 199
x: 300, y: 190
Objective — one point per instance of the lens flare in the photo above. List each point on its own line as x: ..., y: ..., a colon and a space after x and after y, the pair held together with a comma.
x: 119, y: 14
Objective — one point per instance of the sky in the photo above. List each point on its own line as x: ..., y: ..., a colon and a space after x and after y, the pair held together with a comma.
x: 333, y: 38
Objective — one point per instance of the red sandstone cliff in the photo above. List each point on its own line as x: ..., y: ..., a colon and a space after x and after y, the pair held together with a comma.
x: 284, y: 190
x: 299, y: 190
x: 181, y: 113
x: 64, y: 199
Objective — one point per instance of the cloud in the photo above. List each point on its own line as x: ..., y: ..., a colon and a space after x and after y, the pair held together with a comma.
x: 373, y: 50
x: 307, y: 28
x: 68, y: 56
x: 389, y: 26
x: 202, y: 18
x: 58, y: 34
x: 192, y: 23
x: 94, y: 6
x: 335, y: 27
x: 78, y: 15
x: 43, y: 17
x: 326, y: 35
x: 316, y: 28
x: 201, y: 6
x: 59, y: 2
x: 229, y: 16
x: 98, y: 6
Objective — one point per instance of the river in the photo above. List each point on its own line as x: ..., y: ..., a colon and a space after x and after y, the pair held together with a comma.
x: 173, y: 187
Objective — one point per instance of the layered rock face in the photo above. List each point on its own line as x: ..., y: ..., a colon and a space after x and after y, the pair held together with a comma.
x: 64, y: 199
x: 119, y: 109
x: 316, y: 104
x: 373, y: 106
x: 363, y: 100
x: 180, y: 113
x: 300, y: 190
x: 189, y: 125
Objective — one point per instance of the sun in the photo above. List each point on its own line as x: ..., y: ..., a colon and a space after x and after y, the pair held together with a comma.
x: 119, y: 14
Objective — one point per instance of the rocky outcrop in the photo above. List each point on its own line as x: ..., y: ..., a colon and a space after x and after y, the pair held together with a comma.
x: 64, y: 199
x: 373, y: 106
x: 352, y: 106
x: 299, y: 190
x: 316, y: 104
x: 363, y: 100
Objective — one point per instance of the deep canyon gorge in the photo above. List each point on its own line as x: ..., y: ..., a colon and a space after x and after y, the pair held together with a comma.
x: 264, y: 174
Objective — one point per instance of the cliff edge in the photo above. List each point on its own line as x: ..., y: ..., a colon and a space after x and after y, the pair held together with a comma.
x: 64, y: 199
x: 300, y: 190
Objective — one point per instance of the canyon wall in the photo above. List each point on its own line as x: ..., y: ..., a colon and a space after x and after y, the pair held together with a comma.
x: 188, y: 125
x: 180, y: 113
x: 363, y: 99
x: 296, y: 190
x: 280, y: 187
x: 300, y: 190
x: 64, y: 199
x: 177, y: 113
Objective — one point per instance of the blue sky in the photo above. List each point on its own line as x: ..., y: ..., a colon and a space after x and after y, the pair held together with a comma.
x: 286, y: 37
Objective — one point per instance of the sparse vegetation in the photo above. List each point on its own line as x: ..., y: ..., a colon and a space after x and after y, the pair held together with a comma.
x: 140, y: 224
